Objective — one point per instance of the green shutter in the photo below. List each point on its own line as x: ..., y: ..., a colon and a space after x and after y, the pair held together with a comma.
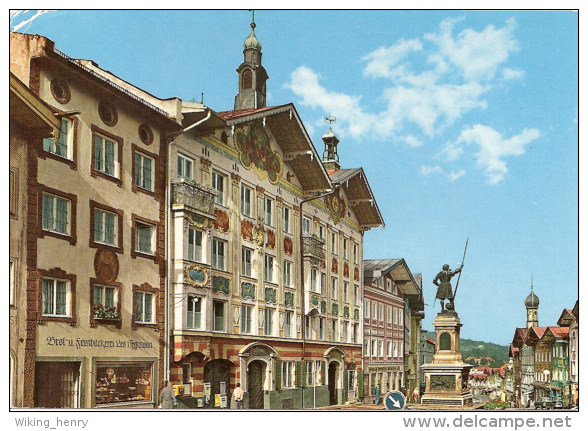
x: 278, y: 375
x: 345, y: 385
x: 301, y: 374
x: 360, y: 384
x: 323, y: 373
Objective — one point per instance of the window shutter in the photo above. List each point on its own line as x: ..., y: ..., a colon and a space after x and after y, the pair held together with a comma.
x: 323, y: 373
x: 301, y: 374
x: 345, y: 385
x: 278, y: 375
x: 360, y: 384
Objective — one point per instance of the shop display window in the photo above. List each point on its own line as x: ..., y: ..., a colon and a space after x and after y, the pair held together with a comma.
x: 123, y: 382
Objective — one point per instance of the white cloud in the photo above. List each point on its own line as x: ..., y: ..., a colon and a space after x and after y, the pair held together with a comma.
x: 508, y: 73
x: 493, y: 148
x: 21, y: 18
x: 476, y: 54
x: 412, y: 141
x: 427, y: 170
x: 381, y: 60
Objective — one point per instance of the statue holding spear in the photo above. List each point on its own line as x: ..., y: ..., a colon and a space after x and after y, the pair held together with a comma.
x: 443, y: 283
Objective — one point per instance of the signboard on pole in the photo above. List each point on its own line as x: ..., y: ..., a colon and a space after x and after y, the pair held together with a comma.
x: 395, y: 400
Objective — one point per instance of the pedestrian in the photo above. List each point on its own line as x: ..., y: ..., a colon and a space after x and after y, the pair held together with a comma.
x: 238, y: 396
x: 377, y: 393
x: 415, y: 395
x: 167, y: 398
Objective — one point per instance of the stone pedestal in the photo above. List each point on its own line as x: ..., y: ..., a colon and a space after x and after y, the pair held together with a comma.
x: 446, y: 378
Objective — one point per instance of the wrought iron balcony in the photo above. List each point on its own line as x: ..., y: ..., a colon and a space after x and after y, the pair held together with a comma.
x: 195, y: 196
x: 313, y: 247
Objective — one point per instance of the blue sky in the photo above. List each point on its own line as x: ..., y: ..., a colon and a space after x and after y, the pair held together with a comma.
x: 466, y: 123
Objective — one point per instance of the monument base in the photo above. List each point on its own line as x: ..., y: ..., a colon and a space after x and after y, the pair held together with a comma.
x: 447, y: 385
x: 446, y: 378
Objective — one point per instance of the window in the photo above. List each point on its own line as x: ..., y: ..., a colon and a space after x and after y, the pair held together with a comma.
x: 218, y: 310
x: 314, y: 286
x: 106, y: 155
x: 354, y: 332
x: 389, y: 285
x: 321, y: 232
x: 56, y: 214
x: 218, y: 254
x: 246, y: 319
x: 374, y: 347
x: 185, y: 167
x: 396, y: 316
x: 313, y: 369
x: 367, y: 347
x: 321, y: 333
x: 288, y: 324
x: 287, y: 273
x: 334, y: 331
x: 194, y: 315
x: 286, y: 219
x: 268, y: 211
x: 345, y: 292
x: 194, y: 244
x: 288, y: 370
x: 355, y: 254
x: 64, y: 146
x: 344, y: 332
x: 381, y: 348
x: 389, y: 314
x: 323, y: 282
x: 143, y: 169
x: 144, y: 237
x: 105, y: 302
x: 55, y: 297
x: 395, y: 349
x: 105, y: 295
x: 401, y: 317
x: 14, y: 195
x: 245, y: 201
x: 334, y: 289
x: 268, y: 321
x: 345, y: 250
x: 218, y: 182
x: 381, y: 315
x: 356, y: 297
x: 374, y: 311
x: 269, y: 268
x: 333, y: 242
x: 306, y: 226
x: 144, y: 307
x: 366, y: 309
x: 105, y: 227
x: 246, y: 261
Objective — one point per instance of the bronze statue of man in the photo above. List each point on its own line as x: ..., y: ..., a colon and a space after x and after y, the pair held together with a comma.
x: 443, y: 283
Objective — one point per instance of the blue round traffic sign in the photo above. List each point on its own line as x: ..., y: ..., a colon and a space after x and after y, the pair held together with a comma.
x: 394, y: 400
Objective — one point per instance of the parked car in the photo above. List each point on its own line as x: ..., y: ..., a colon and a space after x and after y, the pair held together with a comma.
x: 546, y: 403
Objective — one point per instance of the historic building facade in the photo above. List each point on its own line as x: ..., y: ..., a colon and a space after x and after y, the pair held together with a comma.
x: 30, y: 120
x: 266, y: 241
x: 95, y: 255
x: 389, y: 335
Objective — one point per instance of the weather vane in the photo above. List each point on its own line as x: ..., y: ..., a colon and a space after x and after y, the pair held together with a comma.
x: 330, y: 119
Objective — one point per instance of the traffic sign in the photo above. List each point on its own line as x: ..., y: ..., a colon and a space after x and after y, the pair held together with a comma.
x: 395, y: 400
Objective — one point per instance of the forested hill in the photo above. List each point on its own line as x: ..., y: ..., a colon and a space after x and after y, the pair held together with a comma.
x: 481, y: 353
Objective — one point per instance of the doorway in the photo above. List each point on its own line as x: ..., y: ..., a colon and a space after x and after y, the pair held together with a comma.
x: 57, y: 384
x: 333, y: 378
x: 218, y: 374
x: 255, y: 383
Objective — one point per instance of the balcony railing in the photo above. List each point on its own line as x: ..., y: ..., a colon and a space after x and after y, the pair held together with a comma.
x: 194, y: 196
x: 313, y: 247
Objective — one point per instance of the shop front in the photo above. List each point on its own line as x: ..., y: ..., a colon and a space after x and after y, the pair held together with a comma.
x: 83, y: 369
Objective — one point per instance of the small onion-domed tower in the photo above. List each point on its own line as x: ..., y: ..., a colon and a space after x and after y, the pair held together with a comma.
x: 532, y: 305
x: 252, y: 75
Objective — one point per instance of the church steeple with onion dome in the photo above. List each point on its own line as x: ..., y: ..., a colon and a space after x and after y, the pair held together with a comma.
x: 252, y: 75
x: 532, y: 305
